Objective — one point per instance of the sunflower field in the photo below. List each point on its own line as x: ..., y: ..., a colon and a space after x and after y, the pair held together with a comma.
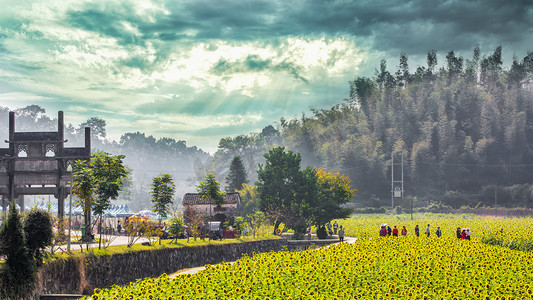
x: 515, y: 233
x: 372, y: 267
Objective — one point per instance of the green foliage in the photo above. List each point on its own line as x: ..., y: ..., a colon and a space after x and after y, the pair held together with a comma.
x: 18, y: 271
x: 237, y: 175
x: 278, y: 183
x: 83, y: 188
x: 297, y: 197
x: 461, y: 127
x: 108, y: 172
x: 321, y: 232
x: 176, y: 225
x: 238, y: 223
x: 97, y: 182
x: 334, y: 191
x: 163, y: 189
x: 210, y: 189
x: 257, y: 220
x: 194, y: 219
x: 249, y: 199
x: 38, y: 231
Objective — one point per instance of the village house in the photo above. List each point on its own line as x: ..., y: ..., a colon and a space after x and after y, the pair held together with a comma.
x: 229, y: 210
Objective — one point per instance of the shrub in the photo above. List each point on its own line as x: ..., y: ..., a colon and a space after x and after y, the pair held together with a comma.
x: 18, y: 271
x: 38, y: 230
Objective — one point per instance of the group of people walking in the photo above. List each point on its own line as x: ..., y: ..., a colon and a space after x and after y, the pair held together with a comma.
x: 463, y: 234
x: 386, y: 230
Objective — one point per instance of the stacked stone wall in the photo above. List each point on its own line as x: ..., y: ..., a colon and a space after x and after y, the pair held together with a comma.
x: 75, y: 275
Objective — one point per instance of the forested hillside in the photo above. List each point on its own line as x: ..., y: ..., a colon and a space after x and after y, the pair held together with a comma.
x: 465, y: 130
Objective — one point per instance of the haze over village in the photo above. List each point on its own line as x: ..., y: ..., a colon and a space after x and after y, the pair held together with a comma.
x: 266, y: 149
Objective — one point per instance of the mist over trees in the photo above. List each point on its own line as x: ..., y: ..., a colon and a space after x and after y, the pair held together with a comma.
x: 145, y: 156
x: 463, y: 125
x: 465, y: 130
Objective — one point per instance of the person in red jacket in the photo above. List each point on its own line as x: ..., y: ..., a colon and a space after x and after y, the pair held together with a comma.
x: 395, y: 231
x: 463, y: 235
x: 404, y: 231
x: 383, y: 231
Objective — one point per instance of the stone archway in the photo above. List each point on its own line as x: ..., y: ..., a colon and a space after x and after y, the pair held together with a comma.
x: 36, y: 163
x: 220, y: 217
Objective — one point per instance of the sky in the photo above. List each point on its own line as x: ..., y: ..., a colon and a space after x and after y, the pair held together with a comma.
x: 198, y: 70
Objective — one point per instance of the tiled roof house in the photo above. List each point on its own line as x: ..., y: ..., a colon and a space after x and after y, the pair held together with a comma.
x: 230, y: 208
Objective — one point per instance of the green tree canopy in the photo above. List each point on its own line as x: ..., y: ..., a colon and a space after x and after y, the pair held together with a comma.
x: 278, y: 186
x: 210, y: 189
x: 299, y: 198
x: 334, y: 190
x: 97, y: 182
x: 163, y: 189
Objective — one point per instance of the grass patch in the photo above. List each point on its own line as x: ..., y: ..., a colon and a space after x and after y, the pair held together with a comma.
x: 75, y: 249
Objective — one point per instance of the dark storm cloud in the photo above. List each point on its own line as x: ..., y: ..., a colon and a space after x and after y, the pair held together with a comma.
x: 419, y: 25
x: 253, y: 63
x: 411, y: 26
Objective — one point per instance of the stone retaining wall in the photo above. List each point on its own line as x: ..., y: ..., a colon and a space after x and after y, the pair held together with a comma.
x: 77, y: 275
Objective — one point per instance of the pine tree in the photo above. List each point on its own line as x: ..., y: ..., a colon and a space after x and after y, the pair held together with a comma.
x: 237, y: 175
x: 19, y: 269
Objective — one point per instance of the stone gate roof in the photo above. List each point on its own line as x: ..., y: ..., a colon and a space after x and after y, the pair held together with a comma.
x: 195, y: 199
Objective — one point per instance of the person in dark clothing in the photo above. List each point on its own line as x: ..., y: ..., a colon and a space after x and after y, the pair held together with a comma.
x: 463, y: 234
x: 438, y: 232
x: 459, y: 235
x: 389, y: 230
x: 417, y: 231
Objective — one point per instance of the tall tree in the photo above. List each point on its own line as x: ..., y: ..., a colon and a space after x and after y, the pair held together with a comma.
x: 83, y: 189
x: 237, y: 175
x: 108, y: 172
x: 97, y: 182
x: 278, y: 184
x: 163, y: 190
x: 210, y: 189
